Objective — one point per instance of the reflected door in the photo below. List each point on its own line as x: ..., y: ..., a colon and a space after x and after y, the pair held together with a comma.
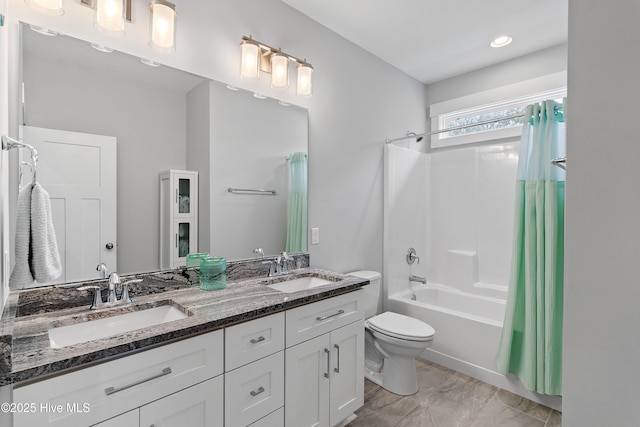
x: 78, y: 170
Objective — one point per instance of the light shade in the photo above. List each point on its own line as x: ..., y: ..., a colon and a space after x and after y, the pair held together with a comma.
x: 279, y: 70
x: 304, y: 85
x: 250, y: 59
x: 48, y: 7
x: 162, y: 31
x: 110, y: 17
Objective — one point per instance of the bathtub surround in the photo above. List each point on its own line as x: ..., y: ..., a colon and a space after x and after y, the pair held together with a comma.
x: 531, y: 344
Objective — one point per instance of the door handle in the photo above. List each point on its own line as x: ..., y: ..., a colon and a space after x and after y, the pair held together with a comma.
x: 109, y: 246
x: 337, y: 368
x: 326, y: 374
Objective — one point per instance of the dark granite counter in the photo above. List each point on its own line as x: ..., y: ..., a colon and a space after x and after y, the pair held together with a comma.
x: 26, y: 355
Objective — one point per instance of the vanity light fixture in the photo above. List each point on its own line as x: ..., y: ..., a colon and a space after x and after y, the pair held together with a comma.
x: 257, y: 56
x: 501, y: 41
x: 110, y: 17
x: 162, y: 31
x: 47, y: 7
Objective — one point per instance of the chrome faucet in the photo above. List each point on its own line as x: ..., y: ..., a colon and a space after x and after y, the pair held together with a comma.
x: 114, y: 279
x: 112, y: 297
x: 102, y: 268
x: 259, y: 251
x: 413, y: 278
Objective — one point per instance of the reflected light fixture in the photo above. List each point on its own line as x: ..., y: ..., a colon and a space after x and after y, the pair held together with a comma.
x: 47, y: 7
x: 501, y: 41
x: 110, y: 17
x: 162, y: 31
x: 257, y: 56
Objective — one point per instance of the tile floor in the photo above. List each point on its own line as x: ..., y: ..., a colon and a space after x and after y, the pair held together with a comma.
x: 448, y: 398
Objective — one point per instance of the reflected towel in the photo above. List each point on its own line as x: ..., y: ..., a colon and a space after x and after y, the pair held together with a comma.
x: 37, y: 255
x: 21, y: 275
x: 45, y: 258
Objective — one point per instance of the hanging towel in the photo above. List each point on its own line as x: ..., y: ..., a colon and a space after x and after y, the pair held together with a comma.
x: 45, y: 258
x: 37, y: 256
x: 21, y: 275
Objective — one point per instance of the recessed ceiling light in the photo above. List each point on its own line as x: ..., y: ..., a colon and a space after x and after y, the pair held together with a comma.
x: 232, y: 88
x: 44, y: 31
x: 284, y: 104
x: 149, y: 62
x: 259, y: 96
x: 101, y: 48
x: 501, y: 41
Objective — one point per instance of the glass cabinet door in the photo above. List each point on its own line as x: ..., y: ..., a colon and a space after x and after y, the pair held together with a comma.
x: 184, y: 239
x: 185, y: 192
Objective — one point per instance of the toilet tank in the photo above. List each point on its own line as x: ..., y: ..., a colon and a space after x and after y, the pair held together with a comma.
x: 371, y: 291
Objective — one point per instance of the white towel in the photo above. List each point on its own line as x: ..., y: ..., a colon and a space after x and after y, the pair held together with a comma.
x: 37, y: 255
x: 21, y: 275
x: 45, y: 258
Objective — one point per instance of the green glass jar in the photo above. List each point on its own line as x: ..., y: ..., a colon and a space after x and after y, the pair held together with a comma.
x: 213, y: 273
x: 193, y: 260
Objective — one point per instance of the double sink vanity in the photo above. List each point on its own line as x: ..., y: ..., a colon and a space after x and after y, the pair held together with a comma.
x: 265, y: 351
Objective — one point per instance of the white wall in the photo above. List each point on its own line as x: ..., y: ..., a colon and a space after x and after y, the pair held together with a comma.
x: 602, y: 285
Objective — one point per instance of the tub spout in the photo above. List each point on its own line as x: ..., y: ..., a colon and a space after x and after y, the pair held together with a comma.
x: 413, y: 278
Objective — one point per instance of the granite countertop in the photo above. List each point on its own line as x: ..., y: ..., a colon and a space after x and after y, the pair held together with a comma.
x: 26, y: 355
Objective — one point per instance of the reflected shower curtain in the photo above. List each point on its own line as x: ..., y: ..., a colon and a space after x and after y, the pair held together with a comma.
x: 531, y: 344
x: 297, y: 204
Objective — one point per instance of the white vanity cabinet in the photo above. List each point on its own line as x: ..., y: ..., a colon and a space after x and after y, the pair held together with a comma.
x: 98, y: 393
x: 178, y: 217
x: 324, y: 361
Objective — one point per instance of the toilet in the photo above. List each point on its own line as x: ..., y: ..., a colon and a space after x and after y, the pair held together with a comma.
x: 392, y: 341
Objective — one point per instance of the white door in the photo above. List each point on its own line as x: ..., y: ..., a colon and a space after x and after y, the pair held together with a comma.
x: 306, y: 391
x: 128, y: 419
x: 78, y: 170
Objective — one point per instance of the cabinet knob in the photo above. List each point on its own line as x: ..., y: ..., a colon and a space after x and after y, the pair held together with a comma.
x: 109, y: 246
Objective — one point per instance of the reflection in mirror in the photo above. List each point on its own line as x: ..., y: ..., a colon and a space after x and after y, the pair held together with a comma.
x: 166, y: 119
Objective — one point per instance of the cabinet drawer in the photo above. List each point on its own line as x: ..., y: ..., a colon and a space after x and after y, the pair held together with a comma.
x: 312, y: 320
x: 274, y: 419
x: 253, y: 340
x: 114, y: 387
x: 254, y: 390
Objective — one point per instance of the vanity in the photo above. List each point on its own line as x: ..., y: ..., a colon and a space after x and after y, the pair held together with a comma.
x: 257, y: 353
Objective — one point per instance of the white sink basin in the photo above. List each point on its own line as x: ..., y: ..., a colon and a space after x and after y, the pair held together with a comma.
x: 63, y: 336
x: 300, y: 284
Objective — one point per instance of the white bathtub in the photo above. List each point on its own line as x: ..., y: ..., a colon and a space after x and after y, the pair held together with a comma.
x: 468, y: 329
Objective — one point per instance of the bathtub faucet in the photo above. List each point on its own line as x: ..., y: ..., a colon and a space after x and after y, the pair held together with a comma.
x: 413, y: 278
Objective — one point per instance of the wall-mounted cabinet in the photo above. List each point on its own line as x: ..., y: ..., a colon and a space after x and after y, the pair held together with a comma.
x: 178, y: 217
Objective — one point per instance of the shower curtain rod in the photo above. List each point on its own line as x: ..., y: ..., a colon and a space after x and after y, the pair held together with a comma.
x: 470, y: 125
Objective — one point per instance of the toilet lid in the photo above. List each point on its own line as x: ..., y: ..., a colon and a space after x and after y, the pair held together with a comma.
x: 401, y: 326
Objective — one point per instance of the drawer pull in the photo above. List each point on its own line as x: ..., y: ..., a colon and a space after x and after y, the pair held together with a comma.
x: 326, y: 374
x: 337, y: 368
x: 254, y: 393
x: 257, y: 340
x: 112, y: 390
x: 320, y: 319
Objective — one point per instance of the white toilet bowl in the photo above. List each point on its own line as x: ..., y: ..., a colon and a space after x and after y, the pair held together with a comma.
x: 393, y: 341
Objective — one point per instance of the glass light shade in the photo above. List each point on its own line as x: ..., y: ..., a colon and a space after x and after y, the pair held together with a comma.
x: 162, y: 32
x: 279, y: 70
x: 48, y: 7
x: 304, y: 85
x: 110, y: 17
x: 250, y: 59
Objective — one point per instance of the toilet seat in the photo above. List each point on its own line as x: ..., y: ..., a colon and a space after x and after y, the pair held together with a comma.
x: 400, y: 326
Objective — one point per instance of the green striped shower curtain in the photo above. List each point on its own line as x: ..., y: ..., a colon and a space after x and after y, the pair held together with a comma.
x: 297, y: 204
x: 531, y: 344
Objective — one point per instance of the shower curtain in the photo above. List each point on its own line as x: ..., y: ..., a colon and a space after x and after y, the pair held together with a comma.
x: 297, y: 204
x: 531, y: 343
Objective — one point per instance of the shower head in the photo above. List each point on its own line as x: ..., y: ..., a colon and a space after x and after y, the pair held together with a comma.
x: 418, y: 139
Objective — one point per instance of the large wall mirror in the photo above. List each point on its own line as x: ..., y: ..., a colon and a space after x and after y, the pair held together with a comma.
x: 161, y: 119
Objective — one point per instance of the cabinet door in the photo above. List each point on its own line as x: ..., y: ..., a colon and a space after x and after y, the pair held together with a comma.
x: 128, y: 419
x: 197, y: 406
x: 185, y: 193
x: 185, y: 242
x: 347, y: 371
x: 307, y: 383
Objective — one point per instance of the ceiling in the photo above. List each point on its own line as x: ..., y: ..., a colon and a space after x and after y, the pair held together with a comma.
x: 435, y: 39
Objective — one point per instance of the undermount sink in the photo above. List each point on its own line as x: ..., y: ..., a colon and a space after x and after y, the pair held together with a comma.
x: 63, y: 336
x: 299, y: 284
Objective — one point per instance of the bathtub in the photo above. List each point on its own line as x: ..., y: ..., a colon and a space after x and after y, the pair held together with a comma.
x: 468, y: 328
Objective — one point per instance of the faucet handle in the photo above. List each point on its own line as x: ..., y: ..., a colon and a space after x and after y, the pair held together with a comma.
x: 97, y: 297
x: 125, y: 298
